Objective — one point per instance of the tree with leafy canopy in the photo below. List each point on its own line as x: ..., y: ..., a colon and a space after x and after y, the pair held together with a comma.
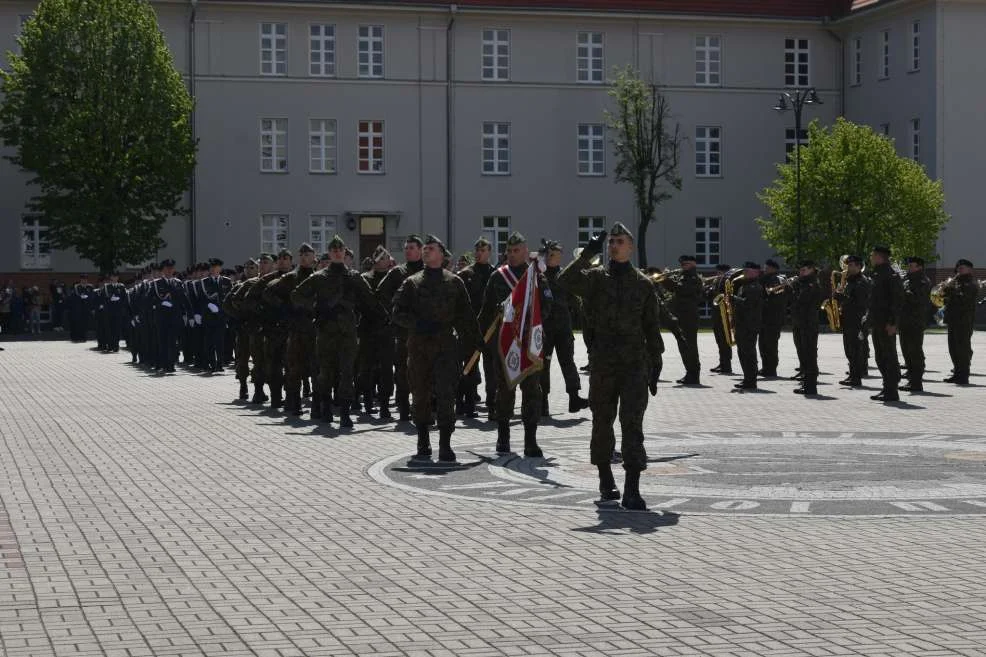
x: 96, y: 111
x: 855, y: 192
x: 647, y: 147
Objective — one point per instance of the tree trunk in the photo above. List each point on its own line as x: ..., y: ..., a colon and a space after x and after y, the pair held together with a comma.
x: 642, y: 241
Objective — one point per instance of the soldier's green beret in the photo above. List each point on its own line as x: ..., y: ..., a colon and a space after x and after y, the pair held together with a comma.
x: 380, y: 253
x: 285, y: 253
x: 336, y: 243
x: 619, y: 229
x: 413, y: 239
x: 266, y: 257
x: 250, y: 263
x: 431, y: 239
x: 515, y: 239
x: 305, y: 248
x: 481, y: 243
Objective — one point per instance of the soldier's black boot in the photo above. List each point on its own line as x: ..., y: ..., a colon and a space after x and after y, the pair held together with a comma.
x: 631, y: 493
x: 503, y: 438
x: 327, y: 407
x: 607, y: 484
x: 316, y: 405
x: 345, y: 421
x: 531, y: 449
x: 385, y: 408
x: 403, y: 408
x: 576, y: 403
x: 276, y: 401
x: 292, y: 401
x: 445, y: 453
x: 258, y: 394
x: 367, y: 403
x: 244, y: 390
x: 469, y: 406
x: 424, y: 443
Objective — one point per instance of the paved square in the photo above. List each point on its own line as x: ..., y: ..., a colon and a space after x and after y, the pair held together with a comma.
x: 147, y: 515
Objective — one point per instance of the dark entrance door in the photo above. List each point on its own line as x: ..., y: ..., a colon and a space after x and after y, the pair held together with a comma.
x: 372, y: 233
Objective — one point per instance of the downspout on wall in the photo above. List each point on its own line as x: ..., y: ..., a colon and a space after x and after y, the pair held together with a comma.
x: 191, y: 91
x: 842, y: 67
x: 449, y: 127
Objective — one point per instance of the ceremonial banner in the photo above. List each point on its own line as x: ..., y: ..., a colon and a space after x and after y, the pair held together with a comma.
x: 521, y: 342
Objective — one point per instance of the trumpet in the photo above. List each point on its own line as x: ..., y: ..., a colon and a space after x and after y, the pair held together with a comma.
x: 938, y: 291
x: 596, y: 259
x: 784, y: 284
x: 661, y: 276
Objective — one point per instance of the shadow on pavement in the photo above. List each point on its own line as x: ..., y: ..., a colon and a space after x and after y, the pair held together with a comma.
x: 616, y: 521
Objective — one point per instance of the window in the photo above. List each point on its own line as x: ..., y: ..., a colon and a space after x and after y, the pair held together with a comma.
x: 796, y: 72
x: 916, y: 45
x: 708, y: 151
x: 322, y: 145
x: 857, y: 61
x: 273, y: 48
x: 790, y: 142
x: 708, y: 60
x: 884, y: 54
x: 321, y: 228
x: 370, y: 155
x: 496, y: 149
x: 35, y: 247
x: 589, y: 57
x: 273, y: 233
x: 885, y: 129
x: 498, y: 230
x: 588, y: 227
x: 592, y: 152
x: 916, y: 140
x: 322, y: 50
x: 496, y: 54
x: 708, y: 241
x: 274, y: 145
x: 371, y: 51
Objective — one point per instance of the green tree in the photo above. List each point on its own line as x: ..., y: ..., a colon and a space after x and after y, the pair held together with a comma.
x: 95, y: 109
x: 855, y: 192
x: 647, y: 147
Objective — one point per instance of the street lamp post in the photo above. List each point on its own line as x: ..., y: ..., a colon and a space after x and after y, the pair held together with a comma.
x: 796, y: 100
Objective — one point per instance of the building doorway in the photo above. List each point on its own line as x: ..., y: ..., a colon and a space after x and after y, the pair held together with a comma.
x: 372, y: 233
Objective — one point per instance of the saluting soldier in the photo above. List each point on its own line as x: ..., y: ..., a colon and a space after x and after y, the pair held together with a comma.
x: 275, y: 332
x: 301, y: 330
x: 913, y: 321
x: 805, y: 302
x: 500, y: 287
x: 687, y: 293
x: 476, y: 276
x: 214, y: 289
x: 748, y: 303
x: 430, y: 305
x: 725, y: 365
x: 625, y: 356
x: 335, y: 294
x: 854, y: 300
x: 385, y: 293
x: 882, y: 317
x: 960, y: 316
x: 774, y: 311
x: 558, y: 334
x: 376, y: 345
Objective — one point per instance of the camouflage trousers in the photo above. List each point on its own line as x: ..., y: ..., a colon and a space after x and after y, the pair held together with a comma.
x: 301, y: 344
x: 530, y: 405
x: 618, y: 387
x: 275, y: 349
x: 336, y: 346
x: 257, y: 348
x: 433, y: 373
x: 376, y: 364
x: 560, y: 342
x: 243, y: 340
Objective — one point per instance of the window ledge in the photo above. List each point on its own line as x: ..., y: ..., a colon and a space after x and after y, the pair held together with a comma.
x: 914, y: 70
x: 494, y: 174
x: 282, y: 173
x: 322, y: 173
x: 591, y: 175
x: 370, y: 173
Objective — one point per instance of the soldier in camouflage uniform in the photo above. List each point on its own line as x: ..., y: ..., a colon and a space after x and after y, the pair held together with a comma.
x: 275, y: 332
x: 475, y: 277
x: 430, y: 305
x: 497, y: 291
x: 558, y: 335
x: 376, y: 345
x: 335, y: 294
x: 385, y: 293
x: 301, y: 331
x: 625, y: 358
x: 232, y: 306
x: 251, y: 317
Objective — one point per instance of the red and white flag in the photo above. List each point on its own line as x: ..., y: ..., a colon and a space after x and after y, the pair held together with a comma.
x: 521, y: 335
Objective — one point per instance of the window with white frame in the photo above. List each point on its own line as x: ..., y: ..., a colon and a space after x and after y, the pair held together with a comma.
x: 591, y: 149
x: 35, y: 246
x: 884, y: 54
x: 885, y: 129
x: 273, y: 48
x: 496, y: 54
x: 497, y: 229
x: 708, y: 60
x: 790, y: 142
x: 371, y: 51
x: 322, y: 145
x: 796, y: 63
x: 857, y: 60
x: 273, y: 233
x: 321, y: 229
x: 916, y: 45
x: 370, y: 149
x: 322, y: 50
x: 274, y: 145
x: 589, y: 57
x: 496, y: 149
x: 708, y: 151
x: 588, y: 227
x: 708, y: 241
x: 916, y: 140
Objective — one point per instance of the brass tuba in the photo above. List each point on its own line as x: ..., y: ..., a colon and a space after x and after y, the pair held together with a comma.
x: 724, y: 300
x: 831, y: 306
